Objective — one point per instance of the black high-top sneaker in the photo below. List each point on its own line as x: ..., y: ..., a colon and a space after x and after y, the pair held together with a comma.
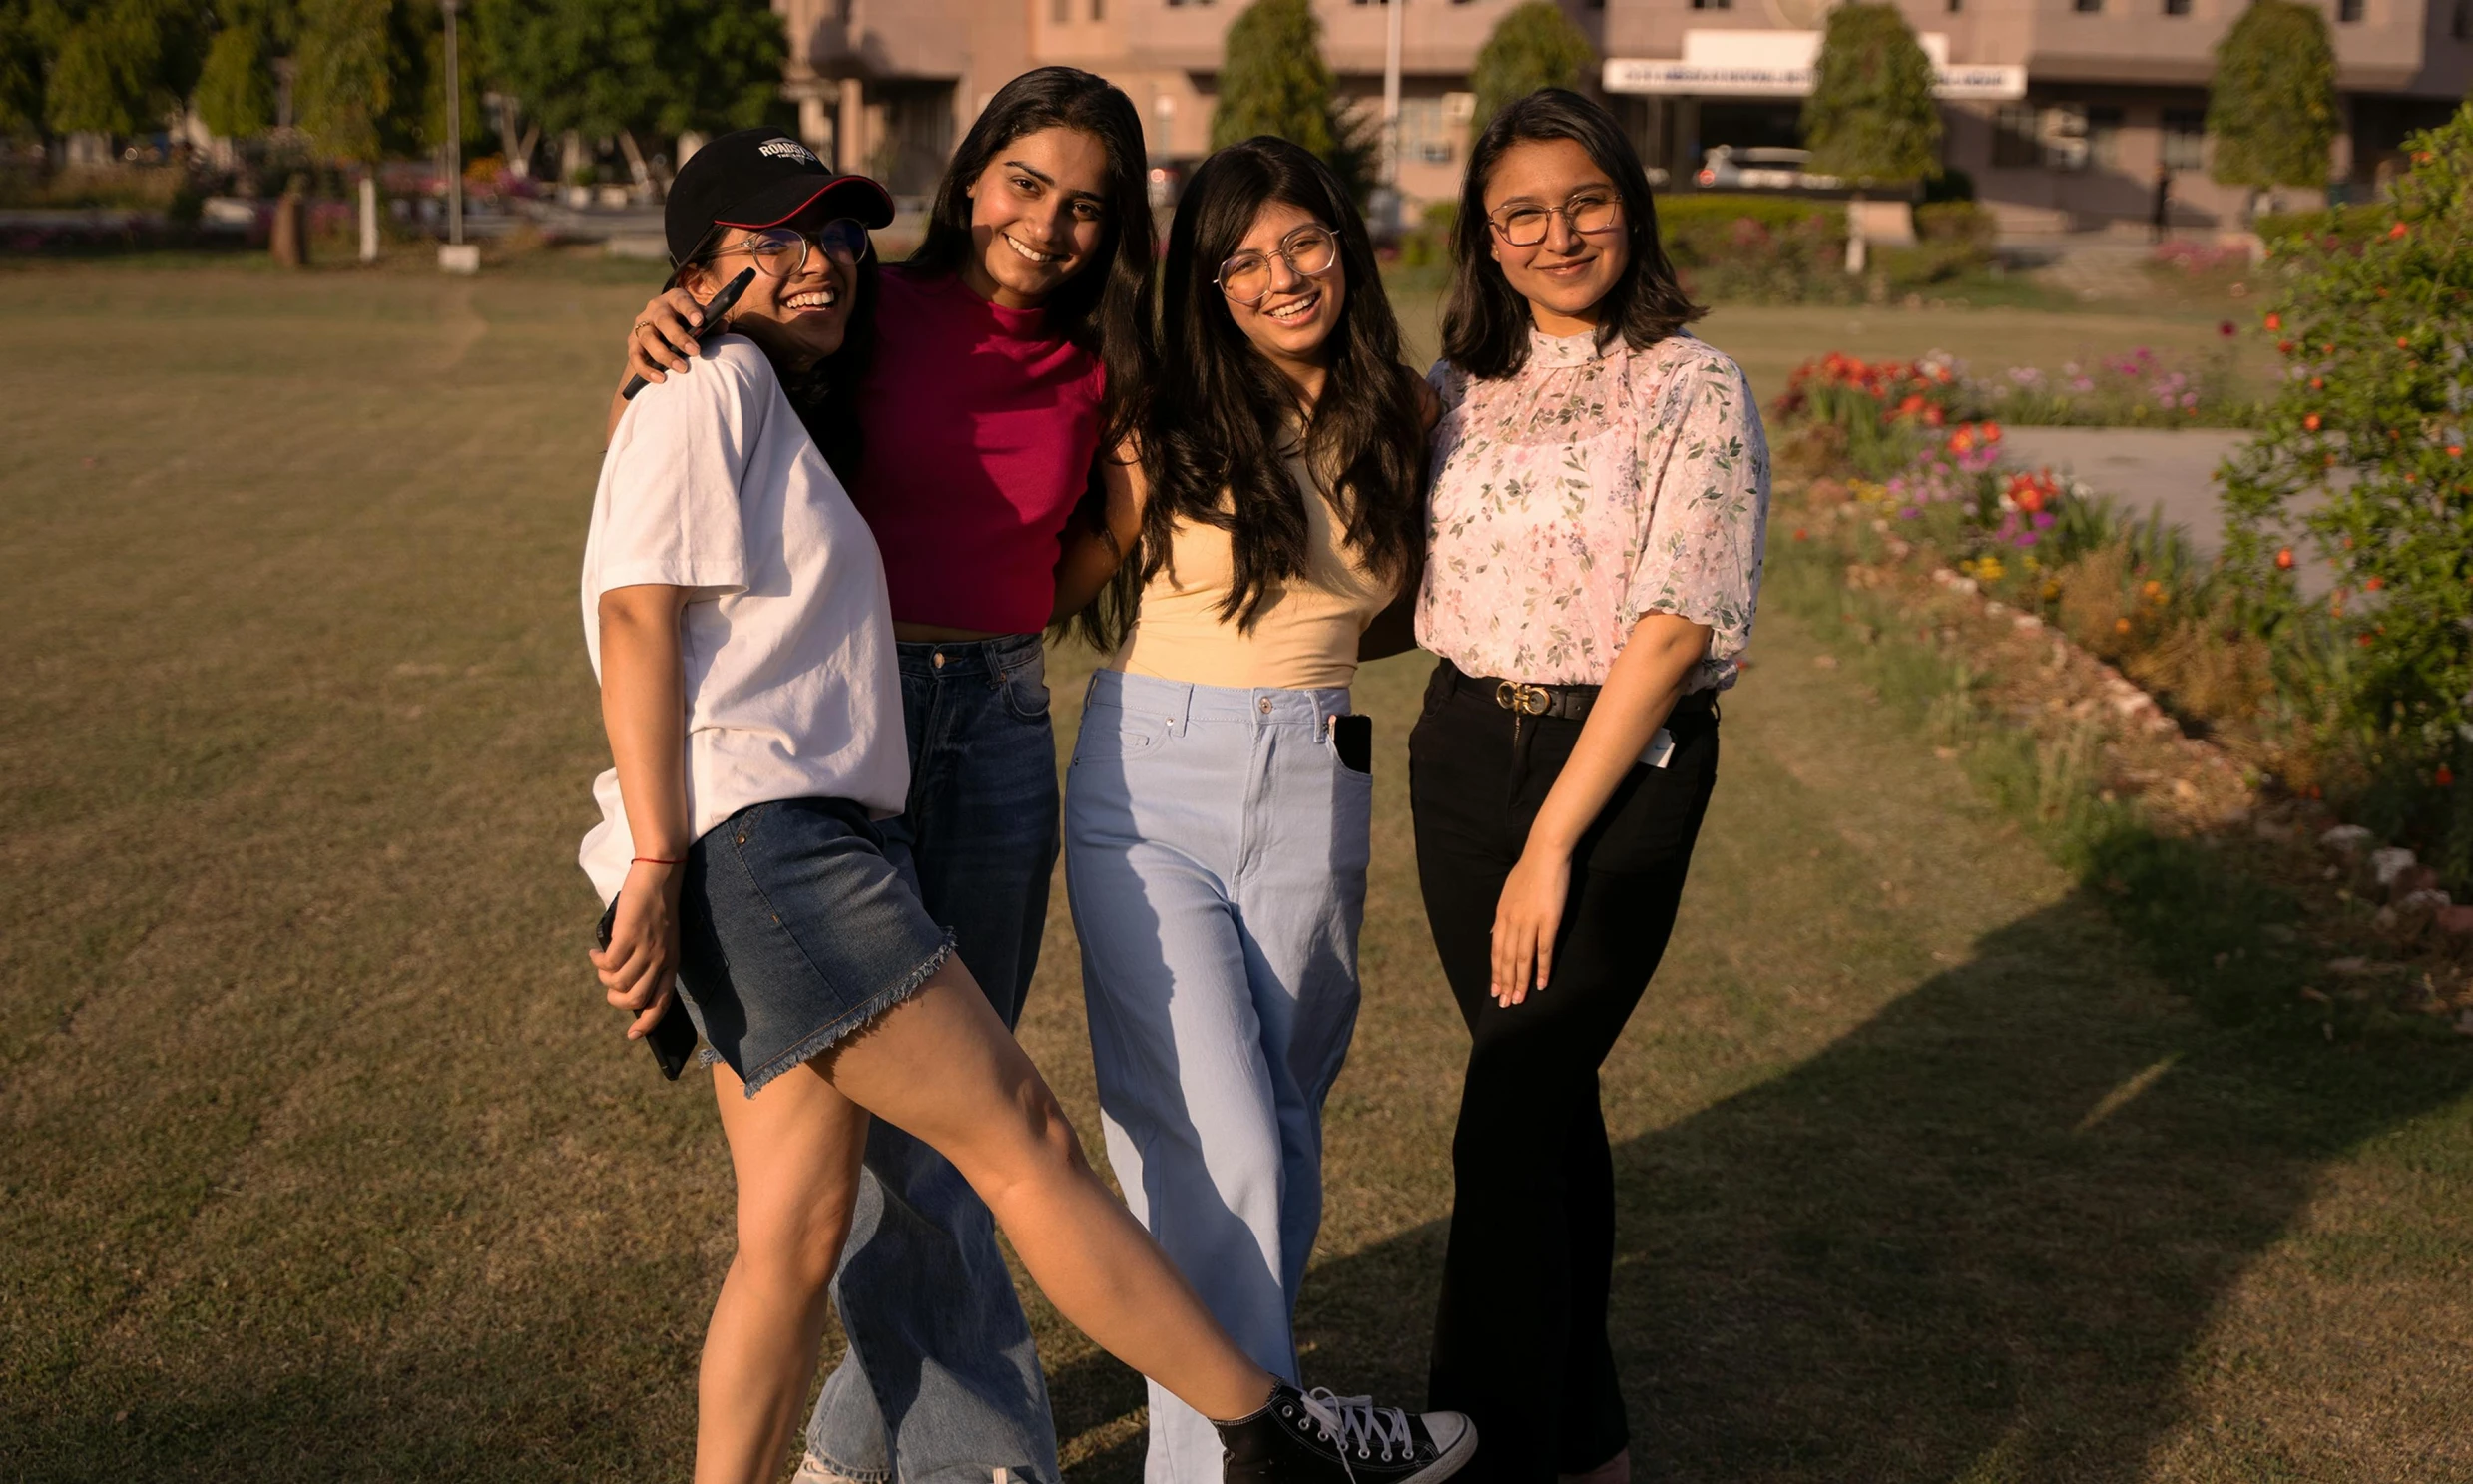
x: 1317, y: 1438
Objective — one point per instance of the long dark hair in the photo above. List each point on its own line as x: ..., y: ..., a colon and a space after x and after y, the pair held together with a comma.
x: 1217, y: 429
x: 1101, y: 308
x: 825, y: 395
x: 1486, y: 325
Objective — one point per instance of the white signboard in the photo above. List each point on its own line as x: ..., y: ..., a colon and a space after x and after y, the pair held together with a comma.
x: 1782, y: 64
x: 1707, y: 80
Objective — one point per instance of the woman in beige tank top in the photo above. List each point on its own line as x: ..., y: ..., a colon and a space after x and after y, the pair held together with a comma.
x: 1217, y: 808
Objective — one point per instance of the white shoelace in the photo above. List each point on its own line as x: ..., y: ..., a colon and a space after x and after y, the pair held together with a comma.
x: 1354, y: 1423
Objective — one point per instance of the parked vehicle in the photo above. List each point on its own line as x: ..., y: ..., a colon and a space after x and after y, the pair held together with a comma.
x: 1726, y: 167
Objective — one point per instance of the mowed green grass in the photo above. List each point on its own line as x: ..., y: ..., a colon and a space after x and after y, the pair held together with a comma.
x: 320, y: 1158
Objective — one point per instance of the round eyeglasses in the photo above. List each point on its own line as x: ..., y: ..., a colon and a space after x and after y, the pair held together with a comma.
x: 780, y: 252
x: 1589, y: 213
x: 1247, y: 279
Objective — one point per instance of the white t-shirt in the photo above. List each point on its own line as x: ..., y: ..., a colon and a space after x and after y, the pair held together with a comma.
x: 712, y: 483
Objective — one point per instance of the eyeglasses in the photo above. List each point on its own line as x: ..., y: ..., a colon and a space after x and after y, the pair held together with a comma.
x: 1310, y: 251
x: 780, y: 252
x: 1589, y: 213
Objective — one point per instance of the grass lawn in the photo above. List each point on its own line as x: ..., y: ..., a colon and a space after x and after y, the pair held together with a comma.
x: 325, y: 1162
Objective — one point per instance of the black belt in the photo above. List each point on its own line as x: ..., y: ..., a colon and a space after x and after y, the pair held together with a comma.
x: 1571, y: 702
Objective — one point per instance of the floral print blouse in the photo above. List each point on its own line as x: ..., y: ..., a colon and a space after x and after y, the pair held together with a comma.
x: 1584, y: 490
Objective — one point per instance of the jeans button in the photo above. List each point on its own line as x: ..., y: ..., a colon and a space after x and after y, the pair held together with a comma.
x: 940, y: 658
x: 1264, y: 704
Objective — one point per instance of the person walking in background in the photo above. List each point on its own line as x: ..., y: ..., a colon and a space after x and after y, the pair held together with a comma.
x: 734, y: 607
x: 1219, y: 802
x: 1005, y: 353
x: 2163, y: 214
x: 1595, y: 529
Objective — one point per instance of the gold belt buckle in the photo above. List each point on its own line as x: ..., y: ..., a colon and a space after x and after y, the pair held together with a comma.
x: 1528, y: 701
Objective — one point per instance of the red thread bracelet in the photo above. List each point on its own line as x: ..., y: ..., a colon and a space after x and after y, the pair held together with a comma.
x: 655, y: 860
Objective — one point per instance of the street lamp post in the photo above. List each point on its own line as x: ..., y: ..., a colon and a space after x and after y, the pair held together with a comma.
x: 1390, y: 223
x: 455, y: 256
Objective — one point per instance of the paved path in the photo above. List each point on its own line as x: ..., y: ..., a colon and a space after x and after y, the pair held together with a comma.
x: 2140, y: 467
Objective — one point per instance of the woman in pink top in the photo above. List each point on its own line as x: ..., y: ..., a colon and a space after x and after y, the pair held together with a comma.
x: 1007, y: 349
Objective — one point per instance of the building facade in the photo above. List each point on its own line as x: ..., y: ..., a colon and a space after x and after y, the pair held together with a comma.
x: 2062, y: 111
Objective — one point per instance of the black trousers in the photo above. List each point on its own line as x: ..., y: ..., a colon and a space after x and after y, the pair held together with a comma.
x: 1520, y: 1343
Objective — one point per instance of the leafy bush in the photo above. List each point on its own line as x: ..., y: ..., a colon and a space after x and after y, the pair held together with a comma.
x: 1871, y: 115
x: 1273, y: 80
x: 2372, y: 422
x: 1533, y: 45
x: 1744, y: 259
x: 1957, y: 221
x: 2271, y: 106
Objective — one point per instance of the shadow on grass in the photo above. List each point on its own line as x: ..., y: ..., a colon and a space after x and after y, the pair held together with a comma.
x: 1980, y: 1238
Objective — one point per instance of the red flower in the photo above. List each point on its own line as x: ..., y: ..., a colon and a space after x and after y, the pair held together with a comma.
x: 2445, y: 777
x: 2283, y: 560
x: 2402, y: 342
x: 1992, y: 432
x: 2375, y: 584
x: 2395, y: 232
x: 2310, y: 422
x: 2284, y: 345
x: 2227, y: 330
x: 2455, y: 451
x: 2275, y: 321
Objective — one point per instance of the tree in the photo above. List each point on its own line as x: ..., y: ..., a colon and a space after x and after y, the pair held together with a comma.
x: 1534, y: 46
x: 117, y: 66
x: 603, y: 67
x: 345, y: 88
x: 2271, y: 105
x: 1273, y: 80
x: 1871, y: 116
x: 236, y: 87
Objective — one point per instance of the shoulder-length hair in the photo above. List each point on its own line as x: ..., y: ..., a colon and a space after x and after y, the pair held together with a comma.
x: 1101, y: 308
x: 1223, y: 421
x: 1486, y: 325
x: 825, y: 395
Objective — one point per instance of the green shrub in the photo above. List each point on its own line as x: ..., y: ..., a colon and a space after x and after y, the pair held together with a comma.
x: 1777, y: 212
x: 2372, y: 422
x: 1956, y: 221
x: 1533, y: 45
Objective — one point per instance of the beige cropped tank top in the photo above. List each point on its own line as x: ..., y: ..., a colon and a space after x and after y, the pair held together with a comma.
x: 1305, y: 636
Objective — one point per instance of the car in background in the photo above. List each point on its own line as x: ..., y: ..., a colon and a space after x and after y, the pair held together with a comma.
x: 1726, y: 167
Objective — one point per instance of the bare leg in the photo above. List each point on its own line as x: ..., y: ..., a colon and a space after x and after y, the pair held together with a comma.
x: 941, y: 1067
x: 794, y: 1147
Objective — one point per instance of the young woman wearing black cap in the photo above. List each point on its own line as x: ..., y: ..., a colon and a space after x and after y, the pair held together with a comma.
x: 1011, y: 348
x: 734, y: 607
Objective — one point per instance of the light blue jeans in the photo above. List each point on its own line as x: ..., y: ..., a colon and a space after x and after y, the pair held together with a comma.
x: 941, y: 1385
x: 1214, y: 855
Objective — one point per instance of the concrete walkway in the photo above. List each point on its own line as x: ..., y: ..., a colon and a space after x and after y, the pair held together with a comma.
x: 2143, y: 468
x: 2146, y: 469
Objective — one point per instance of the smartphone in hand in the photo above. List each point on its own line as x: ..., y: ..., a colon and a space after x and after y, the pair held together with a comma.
x: 673, y: 1035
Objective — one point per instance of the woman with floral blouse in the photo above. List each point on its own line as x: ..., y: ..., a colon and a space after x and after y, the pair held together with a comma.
x: 1594, y: 530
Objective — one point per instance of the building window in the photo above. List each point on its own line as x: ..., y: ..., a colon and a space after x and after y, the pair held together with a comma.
x: 1060, y: 12
x: 2087, y: 7
x: 2185, y: 137
x: 1956, y: 5
x: 2016, y: 145
x: 1712, y: 4
x: 1099, y: 10
x: 2104, y: 135
x: 2177, y: 7
x: 2350, y: 11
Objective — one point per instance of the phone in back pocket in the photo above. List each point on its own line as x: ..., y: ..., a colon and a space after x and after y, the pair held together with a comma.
x: 1352, y: 737
x: 673, y: 1035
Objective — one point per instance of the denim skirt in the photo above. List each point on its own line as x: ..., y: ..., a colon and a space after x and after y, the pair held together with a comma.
x: 796, y: 930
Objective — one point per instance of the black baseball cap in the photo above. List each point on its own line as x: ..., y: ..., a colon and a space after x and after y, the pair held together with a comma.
x: 761, y: 177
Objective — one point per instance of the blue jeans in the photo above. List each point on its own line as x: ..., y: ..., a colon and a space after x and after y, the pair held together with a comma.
x: 1216, y: 850
x: 941, y: 1385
